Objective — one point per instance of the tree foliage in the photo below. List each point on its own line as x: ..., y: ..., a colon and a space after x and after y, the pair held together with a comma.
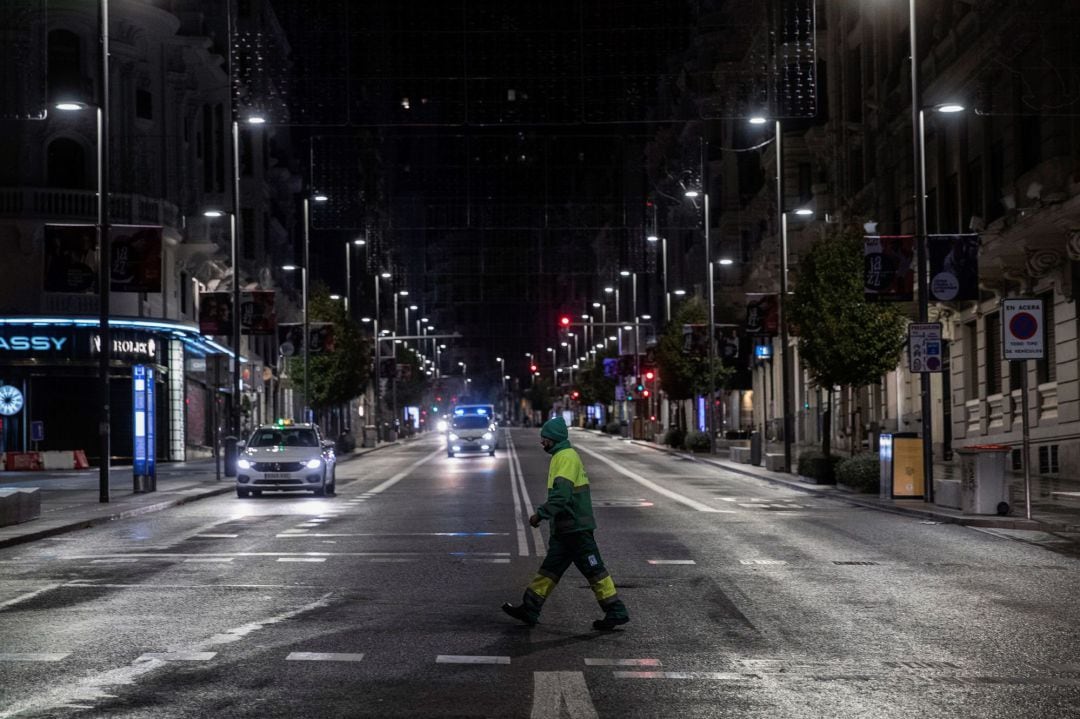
x: 341, y: 375
x: 685, y: 374
x: 594, y: 386
x: 843, y: 340
x: 540, y: 396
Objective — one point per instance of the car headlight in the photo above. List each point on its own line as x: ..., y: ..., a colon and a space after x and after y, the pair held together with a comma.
x: 243, y: 463
x: 314, y: 463
x: 441, y: 426
x: 488, y: 435
x: 454, y: 437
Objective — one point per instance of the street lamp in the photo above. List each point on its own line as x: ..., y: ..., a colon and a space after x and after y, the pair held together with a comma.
x: 360, y: 242
x: 304, y: 305
x: 464, y: 373
x: 378, y: 356
x: 105, y: 250
x: 554, y: 366
x: 234, y: 324
x: 692, y: 193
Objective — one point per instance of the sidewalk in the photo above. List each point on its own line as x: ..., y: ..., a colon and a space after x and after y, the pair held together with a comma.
x: 69, y: 500
x: 1055, y: 503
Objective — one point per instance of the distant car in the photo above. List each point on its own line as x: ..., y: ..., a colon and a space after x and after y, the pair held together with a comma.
x: 286, y: 457
x: 470, y: 434
x: 481, y: 410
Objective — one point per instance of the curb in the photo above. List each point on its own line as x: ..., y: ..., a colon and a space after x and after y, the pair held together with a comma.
x: 983, y: 522
x: 147, y: 509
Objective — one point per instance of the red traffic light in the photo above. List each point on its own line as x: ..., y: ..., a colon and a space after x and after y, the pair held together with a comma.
x: 532, y: 368
x: 650, y: 375
x: 564, y: 321
x: 575, y: 394
x: 645, y: 393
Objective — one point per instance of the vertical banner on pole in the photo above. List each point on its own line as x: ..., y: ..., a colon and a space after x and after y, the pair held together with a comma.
x: 151, y: 433
x: 138, y: 408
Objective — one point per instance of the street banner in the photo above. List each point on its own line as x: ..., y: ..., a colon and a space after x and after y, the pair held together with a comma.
x: 215, y: 313
x: 954, y: 267
x: 71, y: 259
x: 136, y: 258
x: 728, y: 345
x: 889, y: 268
x: 290, y: 338
x: 257, y: 313
x: 762, y: 314
x: 320, y: 338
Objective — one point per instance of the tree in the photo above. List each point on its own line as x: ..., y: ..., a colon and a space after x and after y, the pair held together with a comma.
x: 539, y: 395
x: 339, y: 376
x: 594, y: 386
x: 843, y: 340
x: 684, y: 374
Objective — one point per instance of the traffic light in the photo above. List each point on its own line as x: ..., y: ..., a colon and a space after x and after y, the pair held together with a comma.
x: 564, y: 321
x: 645, y: 394
x: 532, y: 368
x: 639, y: 388
x: 650, y: 375
x: 575, y: 394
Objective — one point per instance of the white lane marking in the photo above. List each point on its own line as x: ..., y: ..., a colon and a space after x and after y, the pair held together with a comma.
x: 403, y: 473
x: 553, y: 690
x: 216, y: 536
x: 28, y: 595
x: 209, y: 560
x: 622, y: 662
x: 32, y: 657
x: 762, y: 561
x: 301, y: 559
x: 692, y: 503
x: 720, y: 676
x: 315, y: 554
x: 488, y: 561
x: 114, y: 560
x: 469, y: 659
x: 393, y: 559
x: 215, y: 586
x: 322, y: 657
x: 178, y: 656
x: 538, y: 538
x: 463, y: 535
x: 519, y: 522
x: 672, y: 561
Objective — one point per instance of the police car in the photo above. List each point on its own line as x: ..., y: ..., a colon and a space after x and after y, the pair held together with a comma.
x: 284, y: 457
x: 471, y: 430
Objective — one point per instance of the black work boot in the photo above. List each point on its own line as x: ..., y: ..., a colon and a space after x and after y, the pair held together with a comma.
x: 607, y: 624
x: 518, y: 611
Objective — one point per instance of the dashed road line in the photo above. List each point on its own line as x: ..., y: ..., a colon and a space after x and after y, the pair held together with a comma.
x: 671, y: 561
x: 554, y: 690
x: 323, y: 657
x: 33, y: 656
x: 602, y: 662
x: 216, y: 536
x: 301, y: 559
x: 469, y: 659
x: 715, y: 676
x: 28, y: 595
x: 209, y: 560
x: 177, y: 656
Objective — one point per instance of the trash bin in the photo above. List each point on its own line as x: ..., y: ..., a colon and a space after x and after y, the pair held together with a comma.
x: 230, y: 456
x: 901, y: 466
x: 983, y: 489
x: 369, y: 435
x: 755, y: 449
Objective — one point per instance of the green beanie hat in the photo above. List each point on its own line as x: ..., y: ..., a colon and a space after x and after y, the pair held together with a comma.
x: 555, y: 429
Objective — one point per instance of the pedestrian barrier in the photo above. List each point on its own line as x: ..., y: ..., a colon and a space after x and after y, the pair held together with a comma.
x: 774, y: 462
x: 740, y: 455
x: 41, y: 461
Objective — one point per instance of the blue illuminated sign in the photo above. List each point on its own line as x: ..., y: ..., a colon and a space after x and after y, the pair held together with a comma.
x: 763, y: 351
x: 142, y: 407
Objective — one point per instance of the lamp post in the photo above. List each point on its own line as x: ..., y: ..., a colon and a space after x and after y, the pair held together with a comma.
x: 304, y: 304
x: 711, y: 413
x: 502, y: 373
x: 101, y: 126
x: 234, y: 324
x: 464, y: 376
x: 554, y: 366
x: 378, y: 358
x: 348, y: 271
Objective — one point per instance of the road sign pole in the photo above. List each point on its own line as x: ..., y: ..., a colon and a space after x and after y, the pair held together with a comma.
x: 1026, y: 443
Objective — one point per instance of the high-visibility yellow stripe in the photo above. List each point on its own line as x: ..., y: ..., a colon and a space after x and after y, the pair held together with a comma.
x: 604, y: 589
x: 542, y: 586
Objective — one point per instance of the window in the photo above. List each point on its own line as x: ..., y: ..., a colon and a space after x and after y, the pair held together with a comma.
x: 1016, y: 375
x: 991, y: 353
x: 184, y: 292
x: 1048, y: 459
x: 65, y: 68
x: 971, y: 355
x: 1046, y: 368
x: 144, y: 105
x: 66, y: 165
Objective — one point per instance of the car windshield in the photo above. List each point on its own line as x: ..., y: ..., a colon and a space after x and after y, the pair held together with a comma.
x: 470, y: 422
x: 287, y: 437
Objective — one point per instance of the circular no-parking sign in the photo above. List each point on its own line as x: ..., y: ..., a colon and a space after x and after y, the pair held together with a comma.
x: 1023, y: 325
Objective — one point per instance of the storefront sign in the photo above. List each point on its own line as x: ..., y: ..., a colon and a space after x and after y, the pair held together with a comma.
x: 32, y: 343
x: 146, y: 348
x: 57, y: 343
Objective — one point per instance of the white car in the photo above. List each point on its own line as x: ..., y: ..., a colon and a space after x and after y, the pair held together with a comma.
x: 470, y: 434
x: 286, y: 457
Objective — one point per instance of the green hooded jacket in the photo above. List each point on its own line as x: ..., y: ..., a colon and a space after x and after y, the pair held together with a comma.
x: 569, y: 501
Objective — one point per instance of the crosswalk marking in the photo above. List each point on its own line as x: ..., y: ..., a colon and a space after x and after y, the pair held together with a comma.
x: 554, y: 690
x: 672, y: 561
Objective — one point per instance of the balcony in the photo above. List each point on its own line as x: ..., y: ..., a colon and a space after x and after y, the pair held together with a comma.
x: 52, y: 204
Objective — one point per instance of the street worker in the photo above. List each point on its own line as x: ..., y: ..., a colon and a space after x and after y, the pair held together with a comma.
x: 569, y: 509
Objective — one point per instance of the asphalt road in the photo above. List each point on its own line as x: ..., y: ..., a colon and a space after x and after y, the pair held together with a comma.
x: 747, y: 600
